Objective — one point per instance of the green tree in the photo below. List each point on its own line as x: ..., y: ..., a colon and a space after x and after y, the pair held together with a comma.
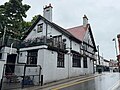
x: 3, y: 19
x: 34, y: 19
x: 25, y: 26
x: 11, y: 16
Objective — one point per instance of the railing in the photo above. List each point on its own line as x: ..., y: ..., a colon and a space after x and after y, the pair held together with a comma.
x: 8, y: 42
x: 33, y: 42
x: 43, y: 41
x: 23, y: 76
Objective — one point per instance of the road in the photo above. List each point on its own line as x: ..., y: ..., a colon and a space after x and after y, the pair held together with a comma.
x: 106, y: 81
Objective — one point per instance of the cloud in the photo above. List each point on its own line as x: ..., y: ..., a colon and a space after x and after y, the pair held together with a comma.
x: 103, y: 16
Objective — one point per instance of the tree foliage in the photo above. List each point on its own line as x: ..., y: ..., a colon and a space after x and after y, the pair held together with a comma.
x: 11, y: 16
x: 34, y: 19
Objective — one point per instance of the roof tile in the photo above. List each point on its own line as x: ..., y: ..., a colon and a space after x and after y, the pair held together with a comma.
x: 78, y: 32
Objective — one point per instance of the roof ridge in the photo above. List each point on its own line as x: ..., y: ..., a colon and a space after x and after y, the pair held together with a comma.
x: 74, y: 27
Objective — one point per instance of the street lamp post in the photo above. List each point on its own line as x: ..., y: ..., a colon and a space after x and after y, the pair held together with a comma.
x: 116, y: 52
x: 115, y: 46
x: 98, y: 55
x: 99, y: 66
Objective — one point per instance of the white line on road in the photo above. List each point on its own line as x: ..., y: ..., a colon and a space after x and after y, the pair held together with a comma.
x: 115, y: 85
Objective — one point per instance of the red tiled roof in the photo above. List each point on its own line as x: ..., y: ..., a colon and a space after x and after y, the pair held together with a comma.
x: 78, y: 32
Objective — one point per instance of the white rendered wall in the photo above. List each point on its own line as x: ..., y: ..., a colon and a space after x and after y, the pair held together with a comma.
x: 22, y: 57
x: 75, y: 46
x: 33, y: 34
x: 90, y: 66
x: 50, y: 70
x: 75, y: 71
x: 1, y: 68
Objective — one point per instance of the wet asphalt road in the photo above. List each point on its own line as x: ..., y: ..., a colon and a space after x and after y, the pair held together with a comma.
x: 107, y: 81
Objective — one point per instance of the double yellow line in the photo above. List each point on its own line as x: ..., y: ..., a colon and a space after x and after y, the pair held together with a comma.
x: 76, y: 82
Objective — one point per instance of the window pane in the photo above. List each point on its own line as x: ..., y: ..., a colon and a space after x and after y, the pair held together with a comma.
x: 76, y: 60
x: 60, y: 61
x: 32, y: 57
x: 39, y: 28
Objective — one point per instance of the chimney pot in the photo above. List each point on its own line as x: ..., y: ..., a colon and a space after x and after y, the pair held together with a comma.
x: 85, y: 20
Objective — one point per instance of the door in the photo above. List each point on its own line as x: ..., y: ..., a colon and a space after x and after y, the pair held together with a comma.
x: 10, y: 65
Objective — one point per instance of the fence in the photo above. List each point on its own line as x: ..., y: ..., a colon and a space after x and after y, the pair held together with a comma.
x: 23, y: 76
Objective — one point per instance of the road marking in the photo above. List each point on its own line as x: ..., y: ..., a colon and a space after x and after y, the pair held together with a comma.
x: 115, y: 85
x: 75, y: 83
x: 68, y: 85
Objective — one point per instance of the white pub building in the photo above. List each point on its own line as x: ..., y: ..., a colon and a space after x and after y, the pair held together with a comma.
x: 61, y: 53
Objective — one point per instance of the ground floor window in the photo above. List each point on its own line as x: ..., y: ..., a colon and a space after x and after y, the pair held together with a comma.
x: 85, y: 62
x: 32, y: 57
x: 60, y: 59
x: 76, y: 60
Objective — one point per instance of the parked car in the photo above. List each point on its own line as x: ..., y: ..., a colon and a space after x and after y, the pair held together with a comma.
x: 115, y: 70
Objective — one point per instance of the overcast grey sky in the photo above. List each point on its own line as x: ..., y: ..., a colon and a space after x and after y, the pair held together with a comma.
x: 103, y: 16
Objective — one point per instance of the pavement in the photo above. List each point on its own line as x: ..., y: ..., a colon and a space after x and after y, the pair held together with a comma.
x: 54, y: 84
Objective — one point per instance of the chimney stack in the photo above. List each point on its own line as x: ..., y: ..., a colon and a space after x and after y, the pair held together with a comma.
x: 47, y: 12
x: 85, y: 20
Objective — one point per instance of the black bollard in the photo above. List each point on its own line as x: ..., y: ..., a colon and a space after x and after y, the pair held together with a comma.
x: 41, y: 80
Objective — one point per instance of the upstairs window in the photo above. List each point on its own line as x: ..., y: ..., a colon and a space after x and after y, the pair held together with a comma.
x: 60, y: 60
x: 32, y: 57
x: 57, y: 41
x: 40, y: 28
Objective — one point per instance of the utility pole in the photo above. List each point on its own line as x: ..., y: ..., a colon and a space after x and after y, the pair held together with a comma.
x: 98, y: 55
x: 116, y: 52
x: 115, y: 46
x: 99, y: 67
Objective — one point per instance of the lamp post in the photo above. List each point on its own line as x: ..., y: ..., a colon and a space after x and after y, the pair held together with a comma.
x: 99, y: 66
x: 98, y: 55
x: 114, y: 39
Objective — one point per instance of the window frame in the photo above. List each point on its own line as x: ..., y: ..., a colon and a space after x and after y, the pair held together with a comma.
x: 76, y: 59
x: 57, y: 40
x: 39, y: 28
x: 32, y: 57
x: 60, y: 60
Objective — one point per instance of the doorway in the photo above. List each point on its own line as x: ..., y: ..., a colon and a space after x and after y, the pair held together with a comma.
x: 10, y: 64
